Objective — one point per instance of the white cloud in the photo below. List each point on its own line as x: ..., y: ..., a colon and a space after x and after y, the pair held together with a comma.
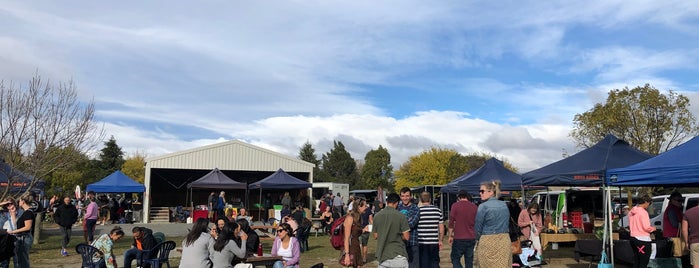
x: 278, y: 74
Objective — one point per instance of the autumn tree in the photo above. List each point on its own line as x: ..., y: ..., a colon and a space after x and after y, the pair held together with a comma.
x: 438, y: 166
x: 134, y: 167
x: 651, y: 121
x: 377, y: 170
x: 43, y: 128
x: 428, y: 168
x: 339, y: 166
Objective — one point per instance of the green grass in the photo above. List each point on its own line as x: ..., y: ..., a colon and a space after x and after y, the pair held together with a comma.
x: 47, y: 252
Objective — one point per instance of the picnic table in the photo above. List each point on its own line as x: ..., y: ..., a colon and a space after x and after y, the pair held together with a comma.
x: 265, y: 260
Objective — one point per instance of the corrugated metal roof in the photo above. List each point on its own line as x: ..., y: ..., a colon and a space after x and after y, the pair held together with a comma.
x: 230, y: 155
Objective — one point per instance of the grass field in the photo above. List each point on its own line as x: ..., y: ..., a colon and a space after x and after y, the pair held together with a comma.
x: 47, y: 253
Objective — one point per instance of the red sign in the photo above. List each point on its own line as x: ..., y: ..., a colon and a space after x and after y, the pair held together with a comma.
x: 14, y: 184
x: 586, y: 177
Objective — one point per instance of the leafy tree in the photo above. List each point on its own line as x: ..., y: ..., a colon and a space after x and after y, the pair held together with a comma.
x: 37, y: 122
x: 111, y: 156
x: 110, y: 159
x: 63, y: 180
x: 377, y: 170
x: 428, y: 168
x: 134, y: 167
x: 339, y: 166
x: 649, y: 120
x: 308, y: 153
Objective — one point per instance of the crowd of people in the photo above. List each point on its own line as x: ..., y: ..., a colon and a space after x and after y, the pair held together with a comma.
x: 408, y: 233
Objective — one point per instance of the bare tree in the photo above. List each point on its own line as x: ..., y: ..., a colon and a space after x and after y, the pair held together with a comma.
x: 40, y: 125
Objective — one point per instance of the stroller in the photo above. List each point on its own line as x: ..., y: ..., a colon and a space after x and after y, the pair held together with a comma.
x: 528, y: 257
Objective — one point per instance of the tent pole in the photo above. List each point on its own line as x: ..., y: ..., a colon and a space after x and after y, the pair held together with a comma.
x: 259, y: 211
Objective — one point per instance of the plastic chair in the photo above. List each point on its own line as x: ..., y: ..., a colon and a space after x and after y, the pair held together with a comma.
x: 302, y: 234
x: 159, y: 255
x: 87, y: 253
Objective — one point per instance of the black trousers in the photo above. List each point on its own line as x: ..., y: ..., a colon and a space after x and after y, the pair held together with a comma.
x: 641, y: 251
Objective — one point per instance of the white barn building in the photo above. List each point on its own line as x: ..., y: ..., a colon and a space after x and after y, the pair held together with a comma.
x: 167, y: 176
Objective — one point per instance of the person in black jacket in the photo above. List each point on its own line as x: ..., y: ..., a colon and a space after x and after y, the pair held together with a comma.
x: 142, y: 240
x: 65, y: 216
x: 253, y: 241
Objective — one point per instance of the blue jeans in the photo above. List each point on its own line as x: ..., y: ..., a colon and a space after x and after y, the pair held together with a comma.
x: 279, y: 264
x: 24, y: 243
x: 462, y: 247
x: 429, y: 255
x: 130, y: 255
x: 413, y: 256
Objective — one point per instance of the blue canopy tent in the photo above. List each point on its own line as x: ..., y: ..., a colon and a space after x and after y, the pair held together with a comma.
x: 587, y: 167
x: 678, y: 166
x: 279, y: 180
x: 492, y: 169
x: 117, y: 182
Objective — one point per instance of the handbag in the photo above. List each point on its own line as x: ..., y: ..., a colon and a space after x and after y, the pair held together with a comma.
x: 604, y: 261
x: 516, y: 247
x: 679, y: 247
x: 342, y: 259
x: 514, y: 231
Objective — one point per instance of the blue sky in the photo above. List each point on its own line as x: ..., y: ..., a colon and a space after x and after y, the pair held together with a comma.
x: 504, y: 77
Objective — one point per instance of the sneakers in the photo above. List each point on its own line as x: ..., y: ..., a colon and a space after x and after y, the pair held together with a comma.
x: 64, y: 253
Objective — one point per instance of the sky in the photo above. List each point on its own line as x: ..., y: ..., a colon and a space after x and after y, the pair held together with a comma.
x: 499, y: 77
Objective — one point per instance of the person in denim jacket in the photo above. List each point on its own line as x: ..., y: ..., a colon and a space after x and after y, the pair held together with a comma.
x: 492, y: 228
x: 8, y: 221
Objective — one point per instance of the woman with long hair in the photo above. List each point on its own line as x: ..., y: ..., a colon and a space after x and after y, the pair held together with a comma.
x: 195, y: 246
x: 353, y: 229
x: 326, y: 219
x: 25, y: 223
x: 253, y: 239
x: 528, y: 218
x: 286, y: 246
x: 492, y: 228
x: 105, y: 243
x: 225, y: 247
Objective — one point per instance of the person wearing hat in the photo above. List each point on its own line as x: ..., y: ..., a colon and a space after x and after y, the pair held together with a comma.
x: 672, y: 218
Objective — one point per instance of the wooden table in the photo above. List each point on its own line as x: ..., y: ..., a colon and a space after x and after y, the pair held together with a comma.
x: 550, y: 238
x: 267, y: 260
x: 265, y: 234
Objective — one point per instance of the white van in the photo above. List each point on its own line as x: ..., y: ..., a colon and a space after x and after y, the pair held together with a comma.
x: 589, y: 200
x: 657, y: 208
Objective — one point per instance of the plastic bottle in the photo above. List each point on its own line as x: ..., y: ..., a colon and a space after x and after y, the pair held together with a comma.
x: 259, y: 250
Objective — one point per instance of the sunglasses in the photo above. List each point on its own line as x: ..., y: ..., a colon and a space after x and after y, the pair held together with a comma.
x: 482, y: 191
x: 281, y: 230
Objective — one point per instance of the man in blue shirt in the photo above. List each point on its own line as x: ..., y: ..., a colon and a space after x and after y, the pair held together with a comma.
x: 410, y: 210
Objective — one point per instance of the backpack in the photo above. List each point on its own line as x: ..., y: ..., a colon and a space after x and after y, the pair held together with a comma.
x: 337, y: 233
